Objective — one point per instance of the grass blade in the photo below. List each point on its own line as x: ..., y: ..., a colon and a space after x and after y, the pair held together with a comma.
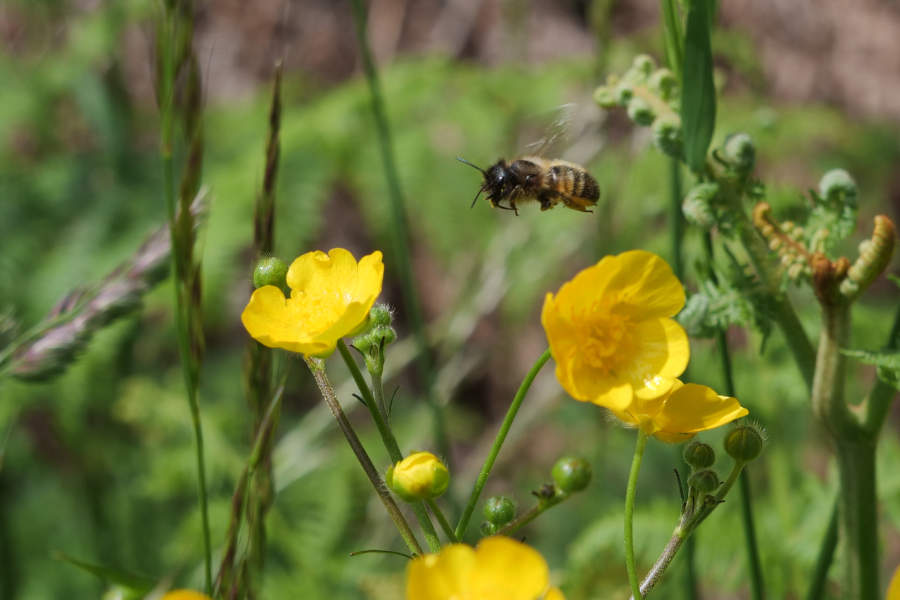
x: 698, y: 93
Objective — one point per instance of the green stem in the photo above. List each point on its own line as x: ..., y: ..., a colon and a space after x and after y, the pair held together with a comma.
x: 533, y: 513
x: 378, y: 391
x: 826, y: 555
x: 498, y: 442
x: 390, y: 442
x: 859, y: 519
x: 442, y: 520
x: 400, y: 228
x: 676, y: 218
x: 629, y: 514
x: 325, y: 388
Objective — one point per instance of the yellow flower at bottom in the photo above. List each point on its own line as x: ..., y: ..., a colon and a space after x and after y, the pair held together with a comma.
x: 893, y: 591
x: 185, y: 595
x: 685, y: 410
x: 611, y: 333
x: 499, y: 568
x: 331, y: 295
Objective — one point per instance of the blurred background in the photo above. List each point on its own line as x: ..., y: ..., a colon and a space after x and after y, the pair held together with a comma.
x: 98, y: 462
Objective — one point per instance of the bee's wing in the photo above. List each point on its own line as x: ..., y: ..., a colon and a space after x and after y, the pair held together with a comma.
x: 571, y: 134
x: 555, y: 131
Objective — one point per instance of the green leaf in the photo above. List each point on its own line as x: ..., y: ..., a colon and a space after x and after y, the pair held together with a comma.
x: 698, y: 93
x: 673, y: 36
x: 887, y: 361
x: 138, y: 584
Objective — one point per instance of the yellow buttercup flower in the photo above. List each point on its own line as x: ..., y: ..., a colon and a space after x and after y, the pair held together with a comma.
x: 185, y: 595
x: 499, y: 568
x: 419, y: 476
x: 685, y: 410
x: 330, y: 298
x: 893, y: 591
x: 611, y: 333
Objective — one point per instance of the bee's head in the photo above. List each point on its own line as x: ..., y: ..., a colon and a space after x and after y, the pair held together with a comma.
x: 489, y: 177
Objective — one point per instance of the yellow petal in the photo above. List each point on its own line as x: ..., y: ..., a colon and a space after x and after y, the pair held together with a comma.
x: 185, y: 595
x: 507, y: 570
x: 554, y: 594
x: 440, y: 576
x: 893, y: 592
x: 319, y: 270
x: 588, y: 284
x: 268, y: 319
x: 646, y: 282
x: 660, y: 354
x: 693, y: 408
x: 559, y: 329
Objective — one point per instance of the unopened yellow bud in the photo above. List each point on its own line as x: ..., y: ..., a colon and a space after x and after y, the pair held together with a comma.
x: 419, y: 476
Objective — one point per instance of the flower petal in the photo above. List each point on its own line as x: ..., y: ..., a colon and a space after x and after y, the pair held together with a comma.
x: 317, y: 270
x: 509, y: 570
x: 554, y: 594
x: 440, y: 576
x: 646, y: 282
x: 268, y: 319
x: 661, y: 354
x: 693, y: 408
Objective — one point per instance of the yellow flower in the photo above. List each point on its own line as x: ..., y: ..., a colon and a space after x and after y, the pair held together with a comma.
x: 330, y: 298
x: 893, y: 591
x: 419, y: 476
x: 611, y: 332
x: 685, y: 410
x: 500, y: 568
x: 185, y: 595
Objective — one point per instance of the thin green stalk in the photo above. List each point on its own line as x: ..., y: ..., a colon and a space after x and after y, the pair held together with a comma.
x: 325, y: 388
x: 442, y: 520
x: 676, y: 218
x: 390, y: 442
x: 639, y: 447
x: 545, y: 503
x: 498, y: 442
x: 400, y: 229
x: 825, y: 556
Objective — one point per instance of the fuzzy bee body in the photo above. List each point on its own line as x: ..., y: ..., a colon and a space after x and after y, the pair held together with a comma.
x: 548, y: 181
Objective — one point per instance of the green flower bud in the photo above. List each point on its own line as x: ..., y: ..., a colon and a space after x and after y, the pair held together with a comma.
x: 643, y: 64
x: 383, y: 332
x: 837, y: 186
x: 640, y: 112
x: 623, y: 93
x: 270, y: 271
x: 667, y: 135
x: 571, y: 474
x: 605, y: 97
x: 698, y: 205
x: 381, y: 314
x: 488, y: 529
x: 419, y: 476
x: 744, y: 443
x: 499, y: 510
x: 739, y: 152
x: 663, y: 82
x: 699, y: 455
x: 705, y: 481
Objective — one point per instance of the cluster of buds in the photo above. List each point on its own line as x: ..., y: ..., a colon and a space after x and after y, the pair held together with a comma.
x: 650, y: 95
x: 787, y: 240
x: 375, y: 335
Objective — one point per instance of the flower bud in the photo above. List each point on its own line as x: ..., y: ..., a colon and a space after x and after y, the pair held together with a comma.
x: 571, y: 474
x: 270, y: 271
x: 699, y: 455
x: 419, y: 476
x: 837, y: 186
x: 697, y: 205
x: 744, y: 443
x: 381, y: 314
x: 605, y: 97
x: 705, y: 481
x: 643, y: 64
x: 640, y: 112
x: 499, y: 510
x: 667, y: 135
x: 663, y: 82
x: 623, y: 93
x: 739, y: 152
x: 488, y: 529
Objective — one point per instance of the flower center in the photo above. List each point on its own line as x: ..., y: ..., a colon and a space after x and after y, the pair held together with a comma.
x: 317, y: 311
x: 603, y: 335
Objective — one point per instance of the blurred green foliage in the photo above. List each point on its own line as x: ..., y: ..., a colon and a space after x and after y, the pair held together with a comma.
x: 99, y: 462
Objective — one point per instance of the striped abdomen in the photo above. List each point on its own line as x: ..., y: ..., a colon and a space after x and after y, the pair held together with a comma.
x: 573, y: 181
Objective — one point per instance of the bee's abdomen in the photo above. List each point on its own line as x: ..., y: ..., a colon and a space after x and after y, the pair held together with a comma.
x: 576, y: 183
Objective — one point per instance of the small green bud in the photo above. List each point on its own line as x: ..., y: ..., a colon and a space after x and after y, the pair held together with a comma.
x: 571, y: 474
x: 643, y: 64
x: 699, y: 455
x: 499, y: 510
x: 698, y: 205
x: 744, y: 443
x: 837, y: 186
x: 739, y: 152
x: 705, y: 481
x: 623, y: 93
x: 605, y: 97
x: 663, y: 82
x: 488, y: 529
x: 380, y: 314
x: 383, y: 332
x: 640, y: 112
x: 667, y: 135
x: 270, y: 271
x: 419, y: 476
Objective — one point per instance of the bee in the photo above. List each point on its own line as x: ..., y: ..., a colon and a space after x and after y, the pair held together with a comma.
x: 549, y: 181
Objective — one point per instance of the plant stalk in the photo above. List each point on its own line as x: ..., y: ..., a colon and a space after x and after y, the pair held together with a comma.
x: 640, y: 445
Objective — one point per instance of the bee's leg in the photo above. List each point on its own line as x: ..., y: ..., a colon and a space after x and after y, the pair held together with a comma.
x: 576, y: 204
x: 546, y: 200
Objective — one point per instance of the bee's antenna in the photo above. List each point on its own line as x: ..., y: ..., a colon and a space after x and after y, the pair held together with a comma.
x: 481, y: 189
x: 465, y: 162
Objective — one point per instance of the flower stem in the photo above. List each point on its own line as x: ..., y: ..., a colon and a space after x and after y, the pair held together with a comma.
x: 390, y: 442
x: 665, y: 559
x: 400, y: 229
x: 629, y: 513
x: 826, y: 555
x: 325, y: 388
x: 442, y: 520
x: 498, y: 442
x: 533, y: 513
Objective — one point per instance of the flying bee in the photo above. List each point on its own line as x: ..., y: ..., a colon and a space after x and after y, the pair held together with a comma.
x: 549, y: 181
